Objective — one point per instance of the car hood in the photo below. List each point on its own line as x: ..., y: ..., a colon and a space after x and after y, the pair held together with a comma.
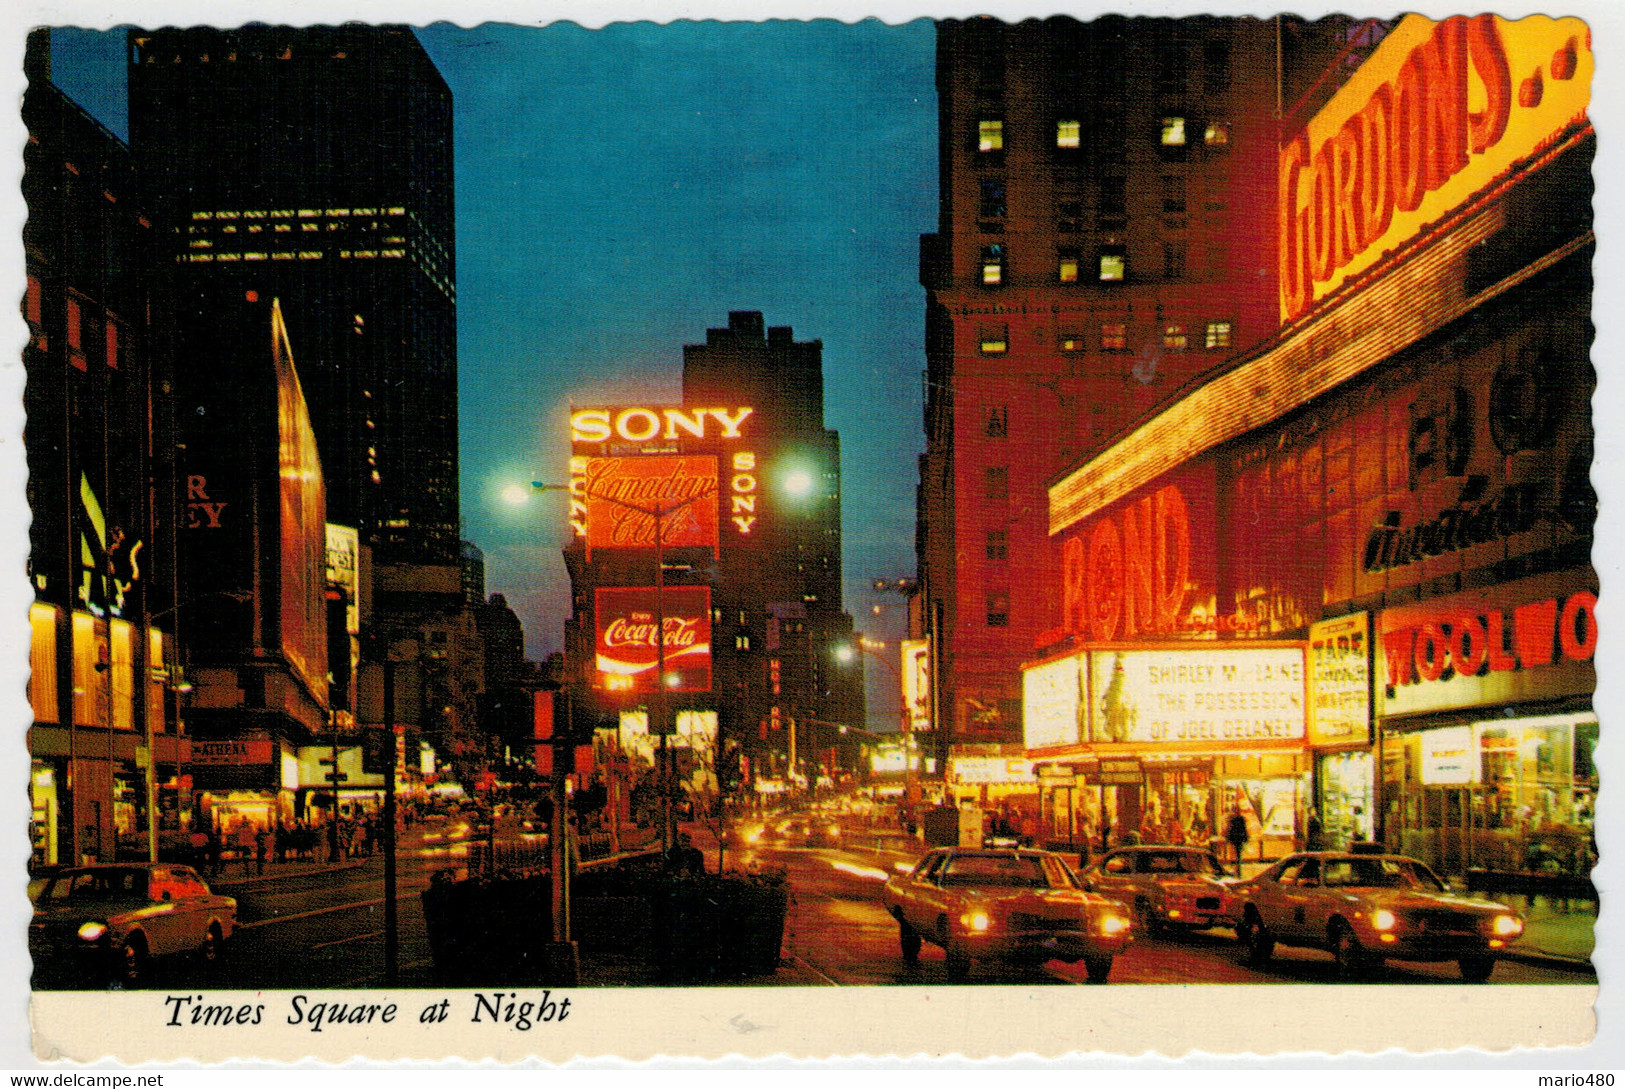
x: 100, y: 911
x: 1033, y: 898
x: 1412, y: 900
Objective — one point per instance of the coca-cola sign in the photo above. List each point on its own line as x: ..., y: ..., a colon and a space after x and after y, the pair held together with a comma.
x: 628, y: 652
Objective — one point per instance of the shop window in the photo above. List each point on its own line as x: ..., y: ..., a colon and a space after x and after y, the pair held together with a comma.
x: 998, y: 422
x: 998, y: 609
x: 1067, y: 267
x: 998, y: 544
x: 1071, y: 340
x: 996, y: 483
x: 1068, y: 134
x: 1218, y: 334
x: 1174, y: 338
x: 994, y: 339
x: 1114, y: 337
x: 992, y: 265
x: 990, y: 135
x: 1113, y: 264
x: 992, y: 205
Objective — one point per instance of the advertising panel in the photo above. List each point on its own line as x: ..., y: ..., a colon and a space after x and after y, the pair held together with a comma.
x: 1232, y: 694
x: 302, y: 611
x: 628, y: 655
x: 990, y: 769
x: 232, y: 752
x: 1052, y: 702
x: 344, y: 571
x: 1340, y: 681
x: 916, y: 672
x: 1145, y: 567
x: 1436, y: 113
x: 621, y: 495
x: 1524, y: 641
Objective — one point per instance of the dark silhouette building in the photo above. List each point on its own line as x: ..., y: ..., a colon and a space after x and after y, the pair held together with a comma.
x: 315, y: 165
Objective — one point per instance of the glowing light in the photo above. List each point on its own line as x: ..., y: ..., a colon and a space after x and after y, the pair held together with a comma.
x: 868, y: 873
x: 798, y: 482
x: 515, y: 495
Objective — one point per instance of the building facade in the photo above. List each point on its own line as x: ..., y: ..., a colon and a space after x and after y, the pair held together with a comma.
x: 316, y: 164
x: 1106, y: 238
x: 109, y: 761
x: 1349, y: 575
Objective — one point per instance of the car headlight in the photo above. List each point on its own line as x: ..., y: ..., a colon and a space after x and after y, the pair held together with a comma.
x: 1113, y: 924
x: 1383, y: 919
x: 1507, y: 926
x: 92, y: 932
x: 976, y: 920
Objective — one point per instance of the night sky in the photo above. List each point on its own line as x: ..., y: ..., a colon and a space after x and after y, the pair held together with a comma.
x: 618, y: 192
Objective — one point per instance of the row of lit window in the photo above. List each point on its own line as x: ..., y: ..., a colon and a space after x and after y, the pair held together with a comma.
x: 1113, y: 337
x: 1112, y: 265
x: 1174, y: 132
x: 301, y: 213
x: 286, y: 255
x: 276, y: 228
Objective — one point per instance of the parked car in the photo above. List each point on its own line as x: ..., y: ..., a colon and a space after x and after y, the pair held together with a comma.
x: 1164, y: 886
x: 1004, y: 904
x: 1366, y: 909
x: 109, y: 921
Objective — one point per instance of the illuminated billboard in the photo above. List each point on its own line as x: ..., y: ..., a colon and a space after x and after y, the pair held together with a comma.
x: 627, y: 618
x: 302, y: 521
x: 1234, y: 694
x: 1436, y: 113
x: 618, y: 498
x: 1052, y: 702
x: 917, y: 682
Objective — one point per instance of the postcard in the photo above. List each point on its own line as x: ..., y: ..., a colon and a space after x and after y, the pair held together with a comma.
x: 1080, y: 529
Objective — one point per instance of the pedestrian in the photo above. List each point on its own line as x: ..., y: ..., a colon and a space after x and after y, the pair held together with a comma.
x: 215, y: 848
x: 262, y: 845
x: 1235, y: 831
x: 245, y: 845
x: 1313, y: 836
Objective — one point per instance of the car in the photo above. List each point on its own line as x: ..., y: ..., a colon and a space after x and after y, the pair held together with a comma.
x: 1165, y: 886
x: 1004, y: 904
x: 1368, y: 908
x: 109, y: 921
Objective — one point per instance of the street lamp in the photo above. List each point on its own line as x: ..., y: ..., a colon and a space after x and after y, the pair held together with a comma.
x: 847, y: 653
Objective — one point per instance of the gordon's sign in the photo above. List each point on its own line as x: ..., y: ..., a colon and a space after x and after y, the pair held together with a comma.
x: 1438, y: 111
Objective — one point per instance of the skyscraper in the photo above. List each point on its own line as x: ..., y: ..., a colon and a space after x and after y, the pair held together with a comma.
x: 314, y: 165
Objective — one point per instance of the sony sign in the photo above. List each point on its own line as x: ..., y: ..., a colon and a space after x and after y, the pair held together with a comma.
x: 656, y: 423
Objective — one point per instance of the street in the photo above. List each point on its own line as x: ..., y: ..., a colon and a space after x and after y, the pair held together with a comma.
x: 324, y: 928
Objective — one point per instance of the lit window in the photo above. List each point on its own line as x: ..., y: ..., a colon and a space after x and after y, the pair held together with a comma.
x: 283, y: 226
x: 1067, y: 269
x: 994, y: 339
x: 253, y: 256
x: 1218, y: 334
x: 1173, y: 132
x: 310, y: 255
x: 1113, y: 264
x: 1068, y: 134
x: 1174, y: 337
x: 989, y: 135
x: 993, y: 265
x: 310, y: 226
x: 1072, y: 341
x: 227, y: 256
x: 1114, y: 337
x: 1217, y: 134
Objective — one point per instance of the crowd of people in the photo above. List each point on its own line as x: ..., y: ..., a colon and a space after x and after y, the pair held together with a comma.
x: 254, y: 845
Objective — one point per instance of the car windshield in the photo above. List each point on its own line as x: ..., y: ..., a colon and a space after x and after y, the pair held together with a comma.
x: 1173, y: 862
x: 87, y: 885
x: 1006, y: 871
x: 1379, y: 873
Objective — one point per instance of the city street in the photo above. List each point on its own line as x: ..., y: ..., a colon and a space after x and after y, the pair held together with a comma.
x: 324, y: 928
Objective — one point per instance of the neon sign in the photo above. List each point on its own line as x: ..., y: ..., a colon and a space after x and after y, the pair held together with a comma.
x: 655, y: 423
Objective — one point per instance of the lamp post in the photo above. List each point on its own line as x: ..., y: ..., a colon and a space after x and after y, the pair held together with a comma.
x: 847, y: 652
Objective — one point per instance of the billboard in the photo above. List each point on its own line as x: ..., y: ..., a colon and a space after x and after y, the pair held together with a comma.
x: 620, y: 495
x: 917, y: 683
x: 1340, y: 681
x: 628, y: 656
x: 1052, y: 702
x: 1232, y: 694
x: 1436, y: 113
x: 302, y: 521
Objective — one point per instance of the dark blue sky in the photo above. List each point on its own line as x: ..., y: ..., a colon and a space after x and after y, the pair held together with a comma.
x: 618, y: 192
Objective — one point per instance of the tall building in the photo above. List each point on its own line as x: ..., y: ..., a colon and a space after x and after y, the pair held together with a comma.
x: 751, y: 554
x: 314, y: 165
x: 102, y: 539
x: 1106, y: 237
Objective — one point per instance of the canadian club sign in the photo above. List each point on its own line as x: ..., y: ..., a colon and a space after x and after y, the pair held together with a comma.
x: 621, y: 496
x: 628, y: 655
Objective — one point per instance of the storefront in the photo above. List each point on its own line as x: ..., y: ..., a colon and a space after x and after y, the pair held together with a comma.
x: 1487, y: 729
x: 1161, y: 743
x: 999, y: 781
x: 249, y: 779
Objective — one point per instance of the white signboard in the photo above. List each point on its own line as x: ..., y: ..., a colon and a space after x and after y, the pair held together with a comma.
x: 1449, y: 756
x: 1340, y: 679
x: 990, y: 769
x: 1051, y: 696
x: 1182, y: 697
x: 917, y: 682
